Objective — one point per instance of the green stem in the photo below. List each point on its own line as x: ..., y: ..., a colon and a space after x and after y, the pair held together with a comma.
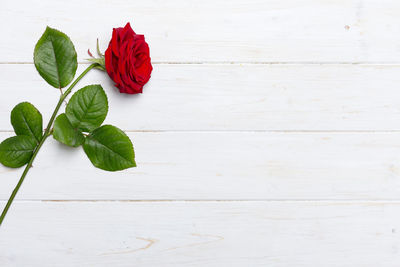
x: 46, y: 134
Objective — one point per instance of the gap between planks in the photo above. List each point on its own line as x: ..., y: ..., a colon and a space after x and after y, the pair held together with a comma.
x: 334, y: 201
x: 394, y: 63
x: 255, y: 131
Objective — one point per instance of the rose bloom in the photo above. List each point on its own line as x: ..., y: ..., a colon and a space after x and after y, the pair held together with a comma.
x: 127, y: 60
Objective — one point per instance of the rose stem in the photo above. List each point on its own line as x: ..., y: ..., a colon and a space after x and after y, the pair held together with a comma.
x: 46, y: 134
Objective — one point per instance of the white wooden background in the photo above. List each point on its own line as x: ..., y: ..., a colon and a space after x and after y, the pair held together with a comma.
x: 269, y: 135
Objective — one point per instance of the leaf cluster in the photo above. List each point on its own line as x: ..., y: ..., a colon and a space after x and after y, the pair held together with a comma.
x: 107, y: 147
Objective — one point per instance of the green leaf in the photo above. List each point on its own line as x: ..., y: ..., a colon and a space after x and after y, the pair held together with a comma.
x: 87, y: 108
x: 16, y: 151
x: 27, y: 120
x: 55, y: 58
x: 65, y: 133
x: 110, y: 149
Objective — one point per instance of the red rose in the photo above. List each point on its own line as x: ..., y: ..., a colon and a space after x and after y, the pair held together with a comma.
x: 127, y: 60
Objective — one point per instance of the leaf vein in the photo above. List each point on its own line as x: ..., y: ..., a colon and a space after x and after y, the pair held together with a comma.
x: 110, y: 149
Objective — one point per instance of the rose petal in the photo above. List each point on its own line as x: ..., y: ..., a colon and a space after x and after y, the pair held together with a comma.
x: 128, y: 61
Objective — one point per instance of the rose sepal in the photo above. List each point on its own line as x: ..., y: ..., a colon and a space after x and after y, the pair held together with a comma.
x: 100, y: 60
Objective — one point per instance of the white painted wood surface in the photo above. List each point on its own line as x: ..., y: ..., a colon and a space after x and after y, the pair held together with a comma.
x: 234, y: 97
x: 269, y: 135
x: 216, y: 30
x: 224, y: 165
x: 259, y: 233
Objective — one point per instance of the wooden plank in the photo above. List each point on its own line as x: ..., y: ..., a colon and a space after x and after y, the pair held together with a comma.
x: 223, y: 165
x: 233, y: 97
x: 201, y: 234
x: 215, y: 30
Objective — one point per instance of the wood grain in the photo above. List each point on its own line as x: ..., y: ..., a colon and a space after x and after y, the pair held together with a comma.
x: 223, y: 165
x: 269, y: 135
x: 215, y: 30
x: 197, y: 234
x: 233, y: 97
